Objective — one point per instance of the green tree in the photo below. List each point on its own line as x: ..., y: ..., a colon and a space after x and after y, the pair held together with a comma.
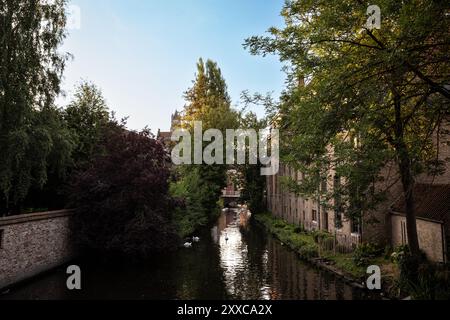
x: 208, y: 100
x: 200, y: 185
x: 87, y: 116
x: 192, y: 192
x: 32, y: 138
x: 375, y: 96
x: 253, y: 183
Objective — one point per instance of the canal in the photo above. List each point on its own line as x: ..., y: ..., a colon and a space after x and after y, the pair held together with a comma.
x: 236, y: 259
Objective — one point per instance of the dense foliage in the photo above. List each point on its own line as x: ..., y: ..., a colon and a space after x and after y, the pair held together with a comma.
x: 83, y: 121
x: 253, y: 183
x: 86, y: 116
x: 33, y: 141
x: 122, y: 198
x: 199, y: 200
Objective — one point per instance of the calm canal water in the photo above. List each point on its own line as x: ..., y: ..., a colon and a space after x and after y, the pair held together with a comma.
x: 235, y: 260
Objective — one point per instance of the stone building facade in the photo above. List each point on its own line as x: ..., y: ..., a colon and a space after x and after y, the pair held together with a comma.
x: 308, y: 213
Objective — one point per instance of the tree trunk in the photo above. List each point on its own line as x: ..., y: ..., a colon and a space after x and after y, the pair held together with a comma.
x: 411, y: 222
x: 407, y: 179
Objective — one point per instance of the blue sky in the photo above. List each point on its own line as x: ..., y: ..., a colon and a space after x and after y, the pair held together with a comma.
x: 142, y: 53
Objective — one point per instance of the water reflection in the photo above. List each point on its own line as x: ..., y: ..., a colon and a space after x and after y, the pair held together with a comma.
x: 256, y: 266
x: 236, y: 259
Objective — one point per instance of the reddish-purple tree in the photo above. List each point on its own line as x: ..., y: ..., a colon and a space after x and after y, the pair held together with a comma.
x: 122, y: 199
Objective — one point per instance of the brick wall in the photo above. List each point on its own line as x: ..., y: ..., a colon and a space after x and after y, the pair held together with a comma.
x: 32, y: 244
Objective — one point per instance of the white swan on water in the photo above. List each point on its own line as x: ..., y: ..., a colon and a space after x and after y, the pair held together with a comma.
x: 188, y: 245
x: 195, y: 239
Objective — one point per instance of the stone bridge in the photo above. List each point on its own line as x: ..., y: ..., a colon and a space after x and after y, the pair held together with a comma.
x: 231, y: 198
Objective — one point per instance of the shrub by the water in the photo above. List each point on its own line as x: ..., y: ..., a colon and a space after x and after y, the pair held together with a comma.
x: 365, y: 253
x: 298, y: 229
x: 321, y: 236
x: 308, y: 251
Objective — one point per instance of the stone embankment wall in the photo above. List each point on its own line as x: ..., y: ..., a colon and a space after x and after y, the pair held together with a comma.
x: 34, y: 243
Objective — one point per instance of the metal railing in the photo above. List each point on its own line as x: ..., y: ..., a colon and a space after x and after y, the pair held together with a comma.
x: 340, y: 243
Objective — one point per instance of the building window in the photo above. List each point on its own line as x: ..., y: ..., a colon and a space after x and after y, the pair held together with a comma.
x: 356, y: 226
x: 339, y: 223
x: 314, y: 215
x: 404, y: 234
x: 325, y: 220
x: 324, y: 186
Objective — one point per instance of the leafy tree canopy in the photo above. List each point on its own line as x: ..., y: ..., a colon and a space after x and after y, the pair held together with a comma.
x: 32, y: 137
x: 86, y: 116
